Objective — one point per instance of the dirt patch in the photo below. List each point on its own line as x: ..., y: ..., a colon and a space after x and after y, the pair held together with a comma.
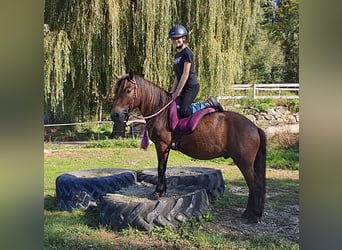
x: 283, y: 223
x: 281, y: 214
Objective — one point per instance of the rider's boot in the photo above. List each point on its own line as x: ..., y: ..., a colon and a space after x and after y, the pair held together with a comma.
x: 213, y: 103
x: 210, y: 103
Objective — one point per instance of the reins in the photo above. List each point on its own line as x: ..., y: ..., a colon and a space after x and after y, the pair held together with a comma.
x: 149, y: 116
x: 158, y: 112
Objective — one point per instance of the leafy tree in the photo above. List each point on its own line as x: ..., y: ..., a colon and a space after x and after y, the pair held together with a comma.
x: 282, y: 24
x: 264, y: 60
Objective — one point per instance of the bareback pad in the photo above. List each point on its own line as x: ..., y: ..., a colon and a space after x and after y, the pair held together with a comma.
x: 188, y: 124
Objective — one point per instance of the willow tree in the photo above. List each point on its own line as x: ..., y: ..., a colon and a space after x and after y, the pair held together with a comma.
x: 86, y: 42
x: 149, y: 52
x: 92, y: 30
x: 219, y: 31
x: 56, y: 66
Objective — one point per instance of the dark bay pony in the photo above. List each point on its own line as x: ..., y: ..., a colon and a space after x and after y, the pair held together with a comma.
x: 219, y: 134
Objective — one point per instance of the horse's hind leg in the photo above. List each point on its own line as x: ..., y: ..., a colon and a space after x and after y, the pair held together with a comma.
x: 253, y: 209
x: 248, y: 211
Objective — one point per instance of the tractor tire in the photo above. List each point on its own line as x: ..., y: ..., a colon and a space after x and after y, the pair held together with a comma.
x: 135, y: 207
x: 209, y: 179
x: 84, y: 189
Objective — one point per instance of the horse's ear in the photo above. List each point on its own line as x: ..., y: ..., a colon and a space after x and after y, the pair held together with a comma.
x: 131, y: 75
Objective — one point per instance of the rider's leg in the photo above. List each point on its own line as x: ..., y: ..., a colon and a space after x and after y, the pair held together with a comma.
x: 210, y: 103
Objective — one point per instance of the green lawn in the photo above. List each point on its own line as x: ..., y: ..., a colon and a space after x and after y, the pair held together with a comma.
x: 82, y: 230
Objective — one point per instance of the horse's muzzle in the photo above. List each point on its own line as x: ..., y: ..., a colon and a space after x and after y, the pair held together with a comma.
x: 119, y: 117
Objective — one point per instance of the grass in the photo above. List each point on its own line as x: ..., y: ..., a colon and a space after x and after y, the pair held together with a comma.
x: 283, y: 151
x: 82, y: 230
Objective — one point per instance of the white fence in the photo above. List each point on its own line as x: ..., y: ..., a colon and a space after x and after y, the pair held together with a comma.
x: 265, y: 90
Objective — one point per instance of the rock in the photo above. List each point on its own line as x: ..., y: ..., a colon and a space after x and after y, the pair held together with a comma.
x: 269, y: 117
x: 274, y: 122
x: 259, y: 117
x: 252, y: 118
x: 271, y: 111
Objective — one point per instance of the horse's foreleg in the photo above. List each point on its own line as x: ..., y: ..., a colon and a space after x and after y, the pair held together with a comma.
x: 163, y: 155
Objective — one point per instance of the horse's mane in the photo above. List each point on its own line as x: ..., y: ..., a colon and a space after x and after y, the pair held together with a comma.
x: 154, y: 94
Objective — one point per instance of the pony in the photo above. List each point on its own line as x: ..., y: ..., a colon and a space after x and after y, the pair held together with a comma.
x: 218, y: 134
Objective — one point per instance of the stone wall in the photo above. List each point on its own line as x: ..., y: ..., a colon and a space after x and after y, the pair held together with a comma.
x: 273, y: 117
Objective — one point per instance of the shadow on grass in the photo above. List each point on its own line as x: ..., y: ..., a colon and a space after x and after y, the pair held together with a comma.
x: 279, y: 193
x: 50, y: 203
x: 90, y: 217
x: 279, y: 225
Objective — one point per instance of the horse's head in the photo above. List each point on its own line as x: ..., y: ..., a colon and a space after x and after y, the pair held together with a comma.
x: 124, y: 96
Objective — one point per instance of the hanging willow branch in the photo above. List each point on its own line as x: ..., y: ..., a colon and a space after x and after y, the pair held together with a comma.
x: 93, y: 32
x: 56, y: 66
x: 90, y: 40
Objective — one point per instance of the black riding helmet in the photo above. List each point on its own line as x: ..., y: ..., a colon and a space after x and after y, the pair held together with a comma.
x: 178, y: 31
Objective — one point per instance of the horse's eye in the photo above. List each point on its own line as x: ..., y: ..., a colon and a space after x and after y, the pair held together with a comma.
x: 128, y: 91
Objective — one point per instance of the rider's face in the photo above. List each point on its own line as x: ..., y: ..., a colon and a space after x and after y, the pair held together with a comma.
x: 178, y: 41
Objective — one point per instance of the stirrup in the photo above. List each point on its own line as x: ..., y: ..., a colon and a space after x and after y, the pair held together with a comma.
x: 175, y: 141
x: 174, y: 145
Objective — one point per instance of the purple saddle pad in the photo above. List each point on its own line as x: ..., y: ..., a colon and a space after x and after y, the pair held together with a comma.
x: 188, y: 124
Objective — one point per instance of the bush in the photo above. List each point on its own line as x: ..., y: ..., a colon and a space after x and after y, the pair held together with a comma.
x: 262, y: 105
x: 293, y: 105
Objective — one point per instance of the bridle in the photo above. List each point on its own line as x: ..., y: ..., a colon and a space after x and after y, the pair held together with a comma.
x: 131, y: 105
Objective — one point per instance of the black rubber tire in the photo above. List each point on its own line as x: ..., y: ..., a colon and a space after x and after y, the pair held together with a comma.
x: 209, y: 179
x: 83, y: 189
x: 120, y: 210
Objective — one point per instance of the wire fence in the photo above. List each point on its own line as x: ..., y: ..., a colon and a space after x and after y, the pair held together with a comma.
x: 131, y: 128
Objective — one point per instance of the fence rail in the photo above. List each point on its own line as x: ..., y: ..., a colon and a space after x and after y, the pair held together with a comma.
x: 263, y: 91
x: 136, y: 128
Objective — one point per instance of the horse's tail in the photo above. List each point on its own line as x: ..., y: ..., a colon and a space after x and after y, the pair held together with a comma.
x: 260, y: 167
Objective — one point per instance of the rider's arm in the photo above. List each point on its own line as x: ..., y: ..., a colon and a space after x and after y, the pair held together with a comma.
x: 174, y: 86
x: 177, y: 88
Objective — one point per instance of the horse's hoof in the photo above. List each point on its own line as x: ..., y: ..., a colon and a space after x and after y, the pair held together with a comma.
x: 252, y: 220
x: 246, y: 214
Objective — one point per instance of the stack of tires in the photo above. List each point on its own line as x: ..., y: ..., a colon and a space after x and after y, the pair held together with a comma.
x: 84, y: 189
x: 124, y: 198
